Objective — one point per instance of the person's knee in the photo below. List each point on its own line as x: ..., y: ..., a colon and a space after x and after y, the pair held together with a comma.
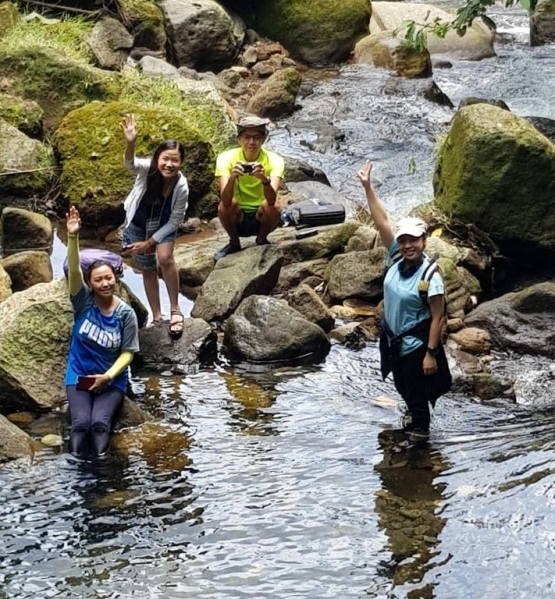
x: 166, y: 261
x: 229, y: 213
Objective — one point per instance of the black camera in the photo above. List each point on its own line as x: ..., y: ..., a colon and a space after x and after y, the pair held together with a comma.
x: 248, y: 166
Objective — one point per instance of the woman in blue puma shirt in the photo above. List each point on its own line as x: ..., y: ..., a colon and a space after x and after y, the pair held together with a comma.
x: 105, y: 335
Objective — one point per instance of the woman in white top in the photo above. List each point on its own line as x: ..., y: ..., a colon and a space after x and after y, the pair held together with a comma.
x: 155, y: 208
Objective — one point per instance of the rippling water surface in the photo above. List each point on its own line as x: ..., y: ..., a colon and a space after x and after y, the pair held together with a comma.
x: 282, y: 484
x: 285, y: 487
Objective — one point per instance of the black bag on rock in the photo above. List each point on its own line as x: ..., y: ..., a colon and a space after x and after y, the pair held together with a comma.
x: 314, y: 213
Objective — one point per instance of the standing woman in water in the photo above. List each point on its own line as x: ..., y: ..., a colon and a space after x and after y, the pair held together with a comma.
x: 104, y: 338
x: 410, y: 345
x: 154, y: 209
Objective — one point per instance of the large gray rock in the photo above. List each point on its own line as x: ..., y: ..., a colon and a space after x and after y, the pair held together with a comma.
x: 255, y: 270
x: 523, y: 321
x: 203, y: 35
x: 299, y: 272
x: 542, y: 23
x: 25, y: 230
x: 297, y: 170
x: 196, y: 346
x: 27, y: 269
x: 308, y: 303
x: 357, y: 274
x: 110, y: 43
x: 14, y: 443
x: 475, y: 44
x: 265, y: 329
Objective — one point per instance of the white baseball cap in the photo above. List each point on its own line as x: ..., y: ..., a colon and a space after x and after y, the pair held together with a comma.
x: 415, y: 227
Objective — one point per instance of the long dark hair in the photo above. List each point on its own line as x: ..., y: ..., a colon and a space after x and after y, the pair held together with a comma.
x: 154, y: 181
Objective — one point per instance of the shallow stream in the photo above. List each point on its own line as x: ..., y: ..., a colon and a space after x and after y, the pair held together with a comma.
x: 278, y: 484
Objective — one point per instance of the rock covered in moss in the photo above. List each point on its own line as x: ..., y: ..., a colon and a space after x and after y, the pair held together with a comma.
x: 26, y: 165
x: 276, y: 97
x: 145, y: 21
x: 25, y: 115
x: 314, y: 32
x: 388, y: 52
x: 5, y: 284
x: 90, y: 144
x: 35, y: 327
x: 27, y: 269
x: 8, y: 17
x: 24, y: 230
x: 542, y: 23
x: 496, y: 171
x: 57, y: 83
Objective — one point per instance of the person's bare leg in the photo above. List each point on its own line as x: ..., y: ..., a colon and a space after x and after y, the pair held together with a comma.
x: 164, y: 254
x: 230, y: 216
x: 152, y: 289
x: 268, y: 217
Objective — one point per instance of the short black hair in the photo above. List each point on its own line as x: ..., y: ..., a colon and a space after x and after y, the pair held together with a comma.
x: 98, y: 264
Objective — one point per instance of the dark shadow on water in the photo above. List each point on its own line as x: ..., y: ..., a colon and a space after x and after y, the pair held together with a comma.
x: 409, y: 505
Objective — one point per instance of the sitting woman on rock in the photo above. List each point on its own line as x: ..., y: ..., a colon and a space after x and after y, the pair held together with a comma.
x: 105, y: 336
x: 414, y: 301
x: 154, y: 210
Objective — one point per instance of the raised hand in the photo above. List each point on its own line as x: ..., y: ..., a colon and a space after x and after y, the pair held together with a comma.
x: 364, y: 174
x: 73, y: 222
x: 129, y: 128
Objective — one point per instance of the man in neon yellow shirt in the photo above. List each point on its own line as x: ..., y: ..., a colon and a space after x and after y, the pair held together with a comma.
x: 249, y: 178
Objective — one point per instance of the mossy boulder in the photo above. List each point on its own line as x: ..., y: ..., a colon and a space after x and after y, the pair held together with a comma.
x: 314, y: 32
x: 8, y: 17
x: 27, y: 269
x: 57, y: 83
x: 146, y: 22
x: 90, y: 144
x: 276, y: 96
x: 26, y: 165
x: 25, y: 115
x: 35, y: 327
x: 496, y: 171
x: 24, y: 230
x: 388, y: 52
x: 5, y: 284
x: 542, y: 23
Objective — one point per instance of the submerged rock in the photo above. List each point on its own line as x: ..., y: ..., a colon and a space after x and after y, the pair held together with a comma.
x: 14, y: 443
x: 197, y: 345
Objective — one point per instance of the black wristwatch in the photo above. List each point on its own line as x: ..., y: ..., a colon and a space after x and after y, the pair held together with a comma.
x: 433, y: 351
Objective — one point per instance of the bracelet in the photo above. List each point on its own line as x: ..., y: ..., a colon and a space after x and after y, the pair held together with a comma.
x: 433, y: 351
x: 267, y: 182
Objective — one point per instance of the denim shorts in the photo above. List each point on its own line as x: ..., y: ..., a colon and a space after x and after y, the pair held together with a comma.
x: 133, y: 234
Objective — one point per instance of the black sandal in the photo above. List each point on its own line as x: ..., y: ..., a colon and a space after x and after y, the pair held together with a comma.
x: 173, y: 332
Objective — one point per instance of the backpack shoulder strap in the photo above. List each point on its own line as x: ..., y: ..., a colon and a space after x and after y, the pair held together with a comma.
x: 424, y: 283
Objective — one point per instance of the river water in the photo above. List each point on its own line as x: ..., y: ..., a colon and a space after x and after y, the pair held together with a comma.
x: 282, y: 483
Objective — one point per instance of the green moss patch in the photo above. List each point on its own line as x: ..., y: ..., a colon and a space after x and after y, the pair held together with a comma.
x: 90, y: 144
x: 25, y: 115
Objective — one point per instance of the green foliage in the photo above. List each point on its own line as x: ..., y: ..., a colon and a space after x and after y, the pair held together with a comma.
x: 66, y: 37
x: 416, y: 33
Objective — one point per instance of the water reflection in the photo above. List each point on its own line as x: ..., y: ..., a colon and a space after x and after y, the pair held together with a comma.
x: 408, y: 507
